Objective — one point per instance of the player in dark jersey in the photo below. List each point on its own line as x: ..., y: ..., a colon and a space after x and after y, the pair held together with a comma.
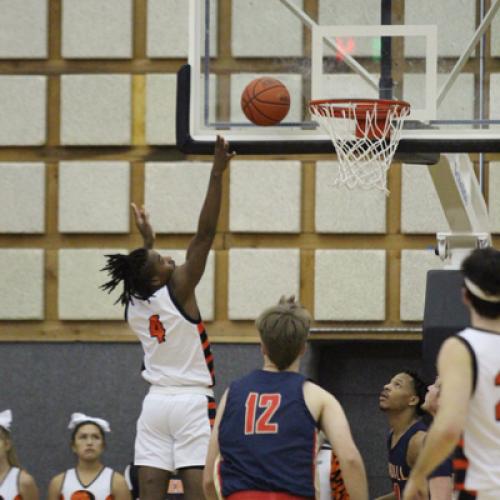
x: 441, y: 478
x: 264, y: 442
x: 400, y: 400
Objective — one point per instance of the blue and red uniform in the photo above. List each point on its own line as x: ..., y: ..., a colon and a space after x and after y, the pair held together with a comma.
x: 267, y: 437
x: 399, y: 470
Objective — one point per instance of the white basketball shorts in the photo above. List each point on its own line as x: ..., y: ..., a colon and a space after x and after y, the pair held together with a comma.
x: 173, y: 430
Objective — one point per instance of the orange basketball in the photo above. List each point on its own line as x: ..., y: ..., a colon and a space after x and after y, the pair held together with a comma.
x: 265, y: 101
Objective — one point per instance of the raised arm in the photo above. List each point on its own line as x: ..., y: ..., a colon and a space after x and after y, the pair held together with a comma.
x: 455, y: 372
x: 188, y: 275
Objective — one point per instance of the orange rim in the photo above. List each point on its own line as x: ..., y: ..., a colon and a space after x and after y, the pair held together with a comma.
x: 358, y: 108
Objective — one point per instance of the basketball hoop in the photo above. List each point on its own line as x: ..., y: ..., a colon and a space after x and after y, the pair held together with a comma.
x: 365, y: 134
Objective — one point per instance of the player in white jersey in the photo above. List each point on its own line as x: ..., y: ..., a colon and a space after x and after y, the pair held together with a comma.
x: 15, y: 483
x: 90, y: 479
x: 441, y: 479
x: 469, y: 370
x: 174, y: 427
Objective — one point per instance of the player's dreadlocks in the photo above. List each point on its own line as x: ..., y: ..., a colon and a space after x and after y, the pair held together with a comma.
x: 135, y: 273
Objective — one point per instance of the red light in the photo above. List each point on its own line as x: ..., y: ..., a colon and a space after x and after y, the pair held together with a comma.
x: 344, y: 47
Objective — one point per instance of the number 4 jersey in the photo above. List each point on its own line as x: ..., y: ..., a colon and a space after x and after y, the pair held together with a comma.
x: 267, y: 436
x: 176, y: 347
x: 481, y: 443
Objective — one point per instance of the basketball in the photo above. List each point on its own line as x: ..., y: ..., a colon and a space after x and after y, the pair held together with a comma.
x: 265, y: 101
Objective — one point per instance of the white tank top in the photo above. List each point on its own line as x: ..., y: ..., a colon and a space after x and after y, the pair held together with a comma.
x: 176, y: 347
x: 482, y: 427
x: 100, y: 488
x: 9, y: 487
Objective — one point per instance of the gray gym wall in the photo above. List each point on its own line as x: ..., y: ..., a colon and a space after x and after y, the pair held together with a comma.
x: 43, y: 383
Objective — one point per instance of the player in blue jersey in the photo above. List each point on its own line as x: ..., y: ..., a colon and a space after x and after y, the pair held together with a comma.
x: 264, y: 442
x: 400, y: 400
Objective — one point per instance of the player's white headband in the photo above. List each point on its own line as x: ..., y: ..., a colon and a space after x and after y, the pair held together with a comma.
x: 79, y: 418
x: 479, y: 293
x: 6, y: 419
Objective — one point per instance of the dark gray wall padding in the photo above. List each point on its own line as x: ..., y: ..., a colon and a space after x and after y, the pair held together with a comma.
x: 356, y: 373
x: 444, y: 314
x: 43, y: 383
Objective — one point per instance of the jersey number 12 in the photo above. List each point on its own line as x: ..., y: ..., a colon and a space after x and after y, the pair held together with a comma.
x: 262, y: 424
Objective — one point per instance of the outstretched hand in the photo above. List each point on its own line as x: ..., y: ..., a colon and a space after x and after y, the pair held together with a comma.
x: 143, y: 225
x: 222, y: 156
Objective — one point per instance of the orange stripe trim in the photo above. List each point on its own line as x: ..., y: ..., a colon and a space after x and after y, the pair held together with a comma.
x: 460, y: 463
x: 201, y: 327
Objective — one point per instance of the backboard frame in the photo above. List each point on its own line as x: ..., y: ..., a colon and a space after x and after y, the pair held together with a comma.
x: 194, y: 137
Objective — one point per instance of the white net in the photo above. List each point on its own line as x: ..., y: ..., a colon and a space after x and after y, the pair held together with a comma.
x: 366, y: 135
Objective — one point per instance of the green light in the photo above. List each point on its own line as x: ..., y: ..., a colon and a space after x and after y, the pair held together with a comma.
x: 376, y: 48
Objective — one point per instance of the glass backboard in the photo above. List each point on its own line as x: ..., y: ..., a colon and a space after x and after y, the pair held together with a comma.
x: 442, y: 57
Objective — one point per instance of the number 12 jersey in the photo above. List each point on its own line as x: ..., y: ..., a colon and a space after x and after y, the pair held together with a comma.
x: 267, y: 436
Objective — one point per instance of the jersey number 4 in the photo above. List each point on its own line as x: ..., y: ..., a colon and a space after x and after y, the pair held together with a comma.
x: 262, y: 424
x: 156, y: 328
